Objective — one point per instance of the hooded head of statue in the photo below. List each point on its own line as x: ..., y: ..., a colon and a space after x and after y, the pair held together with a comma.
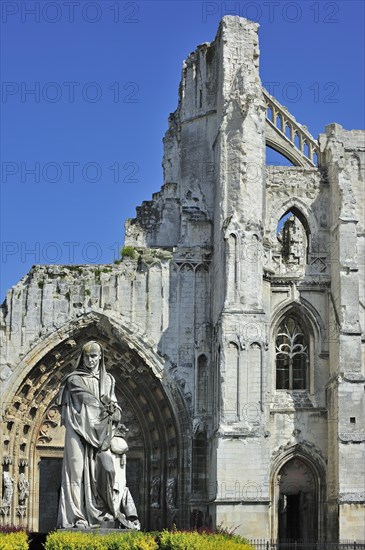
x: 91, y: 362
x: 91, y: 354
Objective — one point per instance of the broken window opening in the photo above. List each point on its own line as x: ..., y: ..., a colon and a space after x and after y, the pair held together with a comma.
x: 293, y: 236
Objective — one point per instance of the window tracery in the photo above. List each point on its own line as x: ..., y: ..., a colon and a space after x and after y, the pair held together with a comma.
x: 292, y: 356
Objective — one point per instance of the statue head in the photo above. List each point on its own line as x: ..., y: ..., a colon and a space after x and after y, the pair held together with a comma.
x: 91, y: 353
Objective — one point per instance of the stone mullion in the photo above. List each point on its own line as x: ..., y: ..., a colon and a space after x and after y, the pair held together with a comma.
x: 290, y: 373
x: 291, y: 132
x: 274, y: 115
x: 301, y: 141
x: 285, y: 124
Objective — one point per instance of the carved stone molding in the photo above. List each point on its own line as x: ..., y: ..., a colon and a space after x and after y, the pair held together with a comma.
x: 51, y: 422
x: 21, y: 511
x: 352, y: 498
x: 5, y: 510
x: 351, y: 437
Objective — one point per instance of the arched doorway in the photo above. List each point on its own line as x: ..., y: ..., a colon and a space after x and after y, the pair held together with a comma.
x: 297, y: 501
x: 154, y: 412
x: 298, y: 487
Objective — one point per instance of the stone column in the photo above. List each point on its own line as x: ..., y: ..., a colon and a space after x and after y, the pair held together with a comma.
x: 241, y: 449
x: 346, y: 411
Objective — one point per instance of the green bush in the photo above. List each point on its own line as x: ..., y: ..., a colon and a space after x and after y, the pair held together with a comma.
x: 14, y: 541
x: 136, y: 540
x: 132, y: 540
x: 128, y: 252
x: 77, y: 540
x: 178, y: 540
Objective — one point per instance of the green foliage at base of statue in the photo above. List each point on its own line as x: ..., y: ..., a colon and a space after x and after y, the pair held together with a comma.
x: 17, y: 540
x: 137, y: 540
x: 180, y: 540
x: 77, y: 540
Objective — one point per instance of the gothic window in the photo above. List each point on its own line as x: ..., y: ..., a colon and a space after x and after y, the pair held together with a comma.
x: 292, y: 359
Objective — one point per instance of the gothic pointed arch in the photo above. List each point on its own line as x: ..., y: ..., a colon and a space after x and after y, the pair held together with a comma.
x: 310, y: 316
x: 297, y: 206
x: 128, y: 332
x: 298, y: 492
x: 153, y: 407
x: 297, y: 212
x: 295, y: 337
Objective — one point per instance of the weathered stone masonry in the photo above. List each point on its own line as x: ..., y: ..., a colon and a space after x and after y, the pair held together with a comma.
x: 237, y: 344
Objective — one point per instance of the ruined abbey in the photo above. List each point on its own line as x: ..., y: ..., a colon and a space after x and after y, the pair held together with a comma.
x: 233, y: 326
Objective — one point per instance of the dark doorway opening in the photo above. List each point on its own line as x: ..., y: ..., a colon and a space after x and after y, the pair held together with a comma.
x: 50, y: 474
x: 293, y: 517
x: 297, y: 508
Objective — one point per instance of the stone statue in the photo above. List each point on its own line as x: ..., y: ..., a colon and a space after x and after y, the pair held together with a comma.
x: 171, y: 493
x: 93, y: 489
x: 23, y: 488
x: 171, y: 490
x: 155, y: 492
x: 8, y: 489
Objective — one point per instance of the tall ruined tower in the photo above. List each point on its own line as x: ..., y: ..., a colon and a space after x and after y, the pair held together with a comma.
x: 234, y: 328
x: 214, y: 221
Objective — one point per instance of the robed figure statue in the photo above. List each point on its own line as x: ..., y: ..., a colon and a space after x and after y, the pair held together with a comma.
x: 93, y: 490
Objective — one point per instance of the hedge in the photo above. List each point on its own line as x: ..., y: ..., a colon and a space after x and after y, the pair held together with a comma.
x: 179, y: 540
x: 176, y: 540
x: 77, y: 540
x: 14, y: 541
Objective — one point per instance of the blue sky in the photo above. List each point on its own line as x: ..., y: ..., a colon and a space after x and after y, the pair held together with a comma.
x: 85, y: 148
